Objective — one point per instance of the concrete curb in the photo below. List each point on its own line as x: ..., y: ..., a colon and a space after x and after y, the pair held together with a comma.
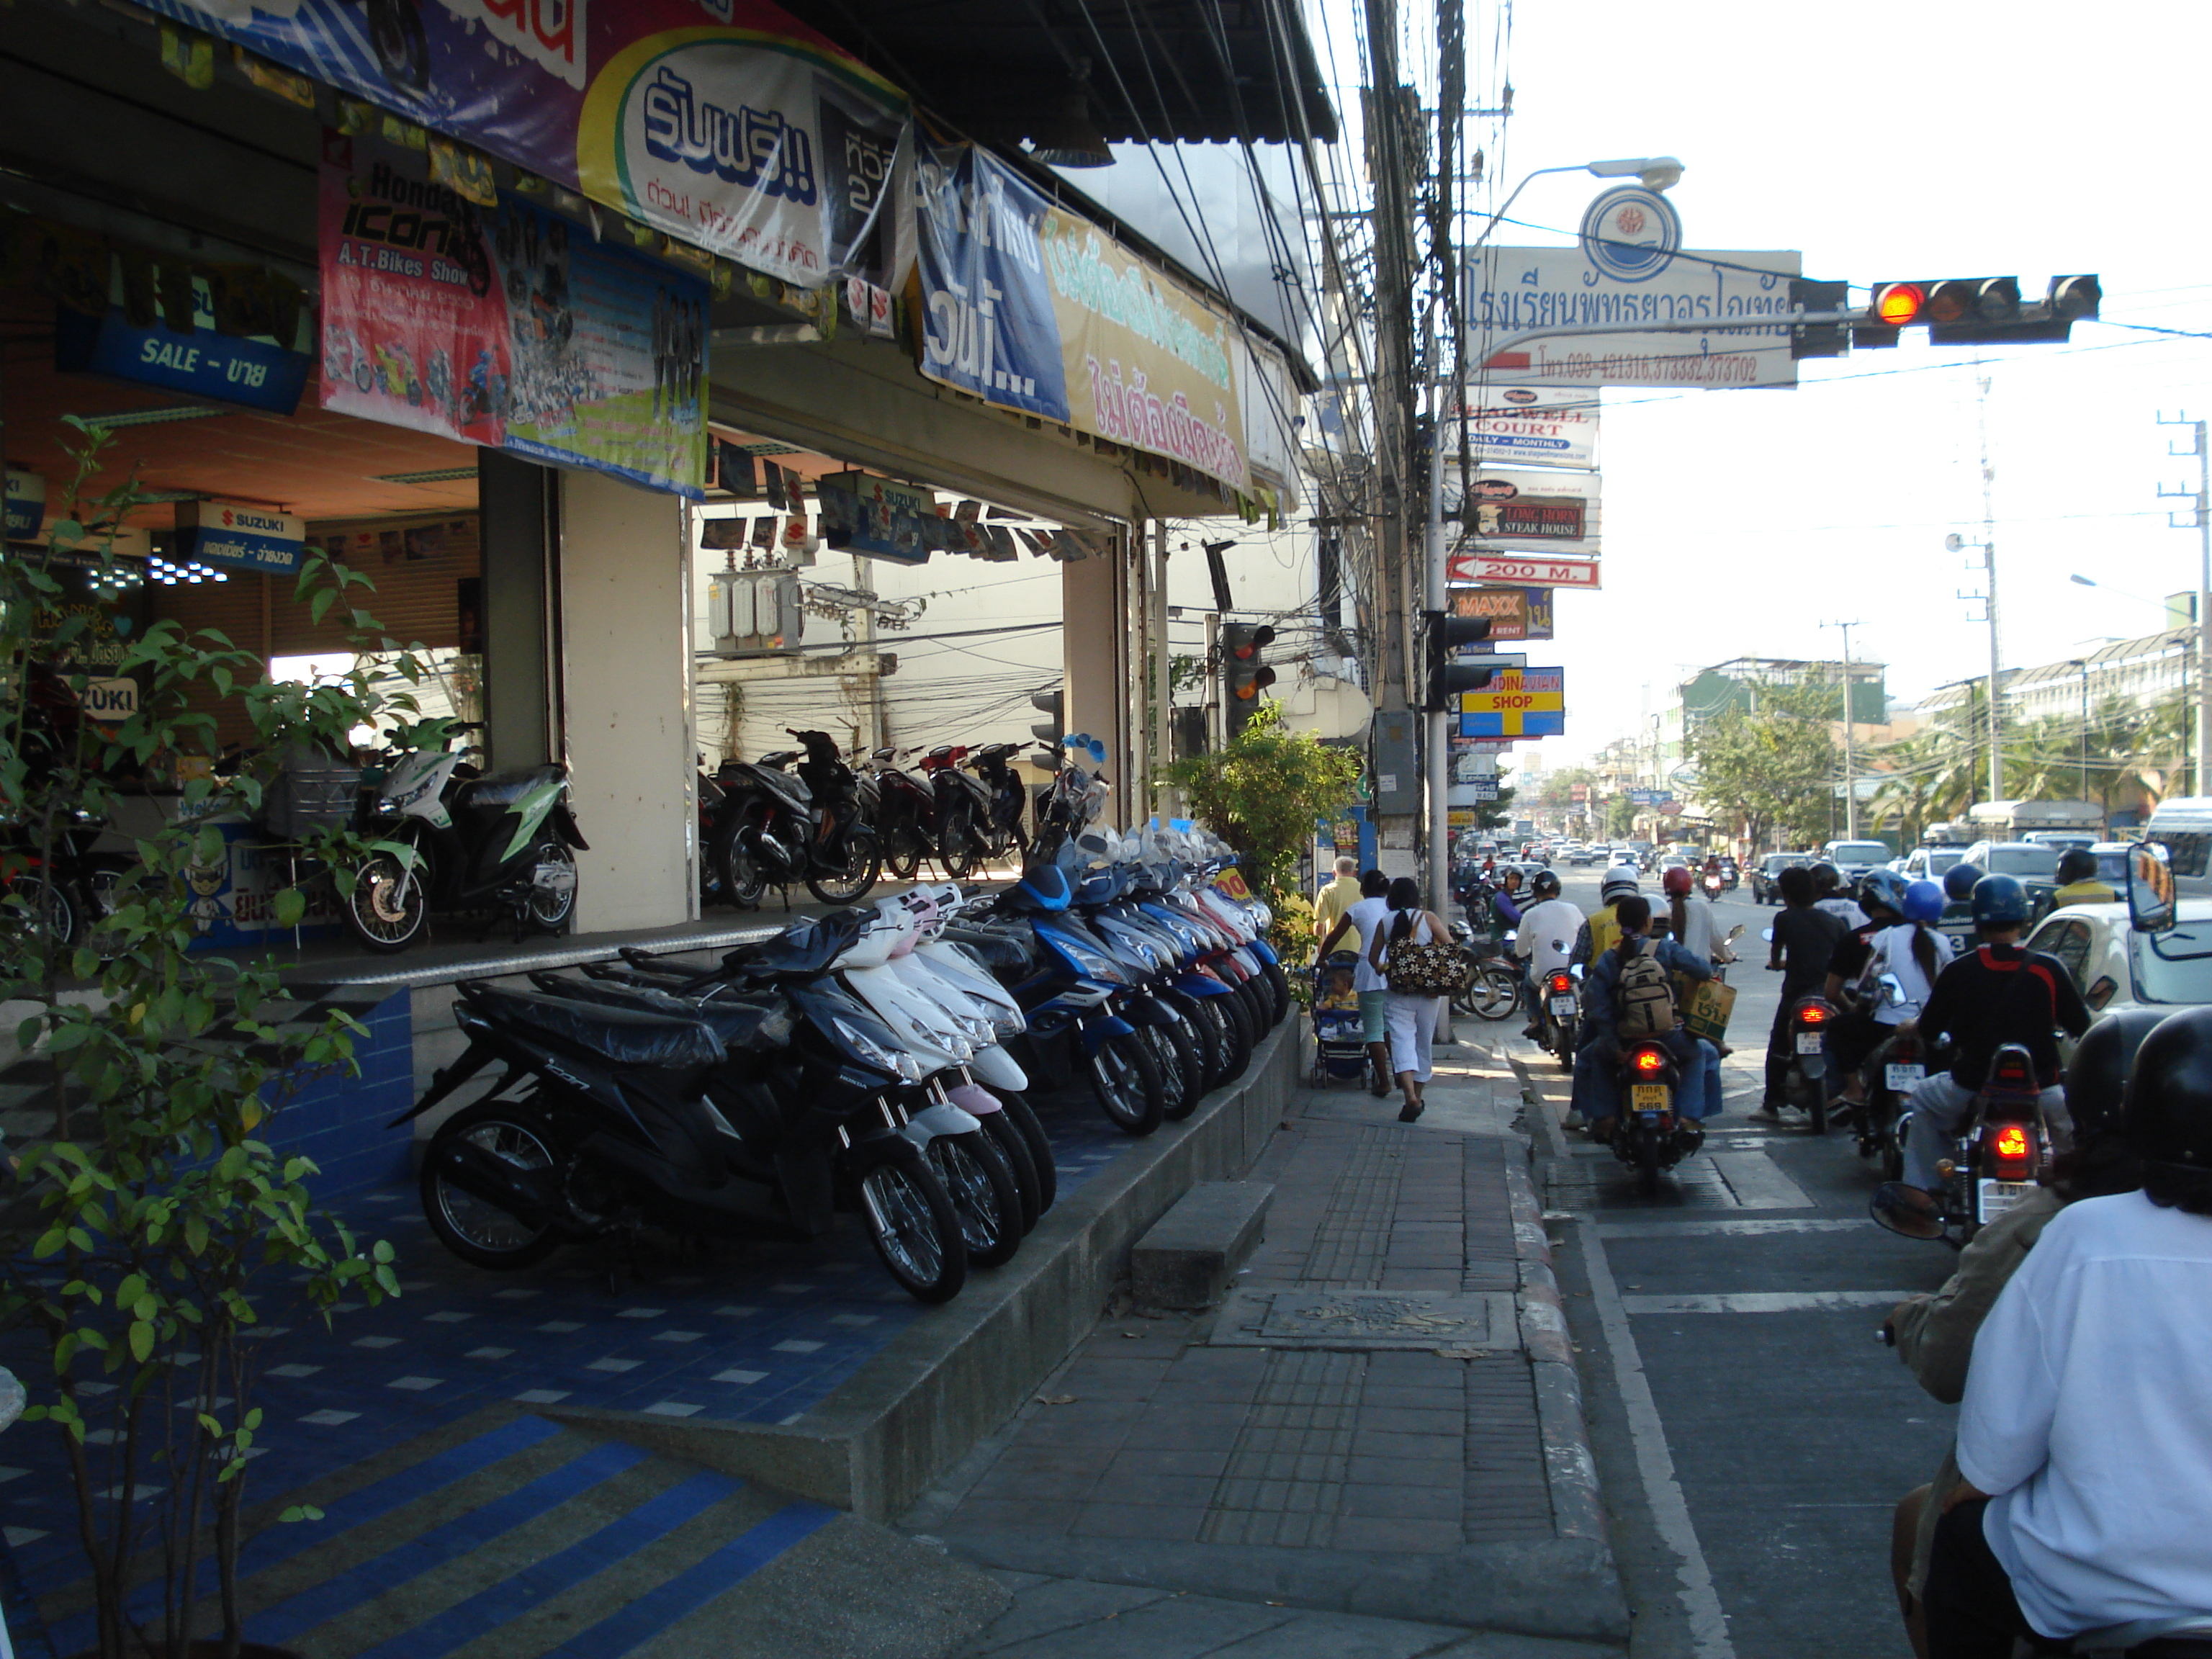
x: 958, y: 1373
x: 1570, y: 1466
x: 1562, y: 1587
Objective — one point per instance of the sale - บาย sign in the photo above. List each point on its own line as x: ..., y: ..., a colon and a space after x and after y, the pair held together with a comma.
x: 1519, y: 702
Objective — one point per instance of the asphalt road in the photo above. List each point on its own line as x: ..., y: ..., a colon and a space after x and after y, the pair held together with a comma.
x: 1751, y: 1435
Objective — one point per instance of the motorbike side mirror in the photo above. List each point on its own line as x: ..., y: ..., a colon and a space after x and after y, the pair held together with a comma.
x: 1510, y: 937
x: 1576, y: 970
x: 1735, y: 933
x: 2150, y: 889
x: 1892, y: 991
x: 1767, y: 934
x: 2100, y: 993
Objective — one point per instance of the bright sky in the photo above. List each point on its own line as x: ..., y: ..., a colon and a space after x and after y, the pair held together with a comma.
x: 1946, y: 140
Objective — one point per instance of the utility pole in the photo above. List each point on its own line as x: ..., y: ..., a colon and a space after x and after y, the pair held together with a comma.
x: 1850, y: 756
x: 2200, y: 508
x: 1437, y: 740
x: 1989, y: 567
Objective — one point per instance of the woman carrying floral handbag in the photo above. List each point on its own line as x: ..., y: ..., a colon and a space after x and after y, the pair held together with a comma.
x: 1413, y: 951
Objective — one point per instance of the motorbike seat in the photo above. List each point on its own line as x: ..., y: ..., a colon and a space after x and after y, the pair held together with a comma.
x: 621, y: 1036
x: 778, y: 757
x: 505, y: 788
x: 737, y: 1023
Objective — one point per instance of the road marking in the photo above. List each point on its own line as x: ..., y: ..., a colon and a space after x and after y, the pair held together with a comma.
x: 1759, y: 1183
x: 1655, y: 1464
x: 1735, y: 1302
x: 1722, y: 1228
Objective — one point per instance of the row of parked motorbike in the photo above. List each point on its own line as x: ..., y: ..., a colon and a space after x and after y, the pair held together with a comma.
x: 878, y: 1060
x: 807, y: 815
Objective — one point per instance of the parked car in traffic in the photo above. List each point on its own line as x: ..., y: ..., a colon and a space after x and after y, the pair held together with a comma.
x: 1856, y: 858
x: 2115, y: 966
x: 1928, y: 862
x: 1764, y: 873
x: 2036, y: 866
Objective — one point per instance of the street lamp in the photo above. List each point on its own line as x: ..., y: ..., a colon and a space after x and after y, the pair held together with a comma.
x: 1654, y: 172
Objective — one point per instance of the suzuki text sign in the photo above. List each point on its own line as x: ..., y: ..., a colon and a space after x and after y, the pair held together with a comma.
x: 1511, y: 290
x: 1528, y: 570
x: 239, y: 537
x: 1525, y: 703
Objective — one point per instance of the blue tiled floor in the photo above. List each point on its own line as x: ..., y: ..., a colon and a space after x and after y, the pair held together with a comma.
x: 734, y: 1332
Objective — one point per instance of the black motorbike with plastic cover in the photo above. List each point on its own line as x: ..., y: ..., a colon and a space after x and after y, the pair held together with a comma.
x: 746, y: 1117
x: 808, y: 823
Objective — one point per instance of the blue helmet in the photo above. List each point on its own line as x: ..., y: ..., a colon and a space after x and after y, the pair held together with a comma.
x: 1923, y: 902
x: 1959, y: 880
x: 1999, y: 901
x: 1884, y: 887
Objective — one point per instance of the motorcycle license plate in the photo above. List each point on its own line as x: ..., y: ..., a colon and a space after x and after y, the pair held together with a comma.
x: 1808, y: 1042
x: 1562, y: 1007
x: 1994, y: 1198
x: 1903, y: 1076
x: 1647, y: 1096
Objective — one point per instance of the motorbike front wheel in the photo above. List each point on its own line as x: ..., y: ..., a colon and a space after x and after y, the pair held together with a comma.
x: 904, y: 848
x: 739, y: 871
x: 389, y: 904
x: 1183, y: 1078
x: 551, y: 912
x: 1016, y: 1151
x: 916, y: 1233
x: 479, y: 1231
x: 984, y: 1195
x: 848, y: 881
x: 1018, y: 1111
x: 1495, y: 992
x: 1127, y: 1080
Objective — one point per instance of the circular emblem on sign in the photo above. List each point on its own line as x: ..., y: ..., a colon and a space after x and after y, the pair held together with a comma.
x: 1494, y: 490
x: 1632, y: 234
x: 1518, y: 394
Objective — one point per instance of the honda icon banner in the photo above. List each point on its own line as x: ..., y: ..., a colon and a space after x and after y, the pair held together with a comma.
x: 726, y: 123
x: 506, y: 326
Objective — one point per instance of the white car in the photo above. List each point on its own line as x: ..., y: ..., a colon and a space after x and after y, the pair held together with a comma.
x: 2114, y: 966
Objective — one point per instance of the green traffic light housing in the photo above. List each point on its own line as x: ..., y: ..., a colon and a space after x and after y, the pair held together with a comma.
x: 1976, y: 311
x: 1244, y: 674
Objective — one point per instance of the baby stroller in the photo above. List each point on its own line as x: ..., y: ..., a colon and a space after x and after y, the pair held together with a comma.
x: 1339, y: 1050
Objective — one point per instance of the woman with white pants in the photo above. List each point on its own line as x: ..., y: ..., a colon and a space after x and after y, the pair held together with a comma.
x: 1411, y: 1021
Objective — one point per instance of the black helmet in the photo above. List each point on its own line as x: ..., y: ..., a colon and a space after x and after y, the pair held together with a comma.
x: 1884, y: 887
x: 1545, y: 885
x: 2097, y: 1076
x: 2167, y: 1111
x: 1999, y: 901
x: 1826, y: 878
x: 1959, y: 880
x: 2076, y: 864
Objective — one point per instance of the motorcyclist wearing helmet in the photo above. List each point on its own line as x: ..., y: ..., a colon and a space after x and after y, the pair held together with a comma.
x: 1548, y: 927
x: 2084, y: 1446
x: 1998, y: 994
x: 2077, y: 880
x: 1935, y: 1333
x: 1804, y: 943
x: 1856, y: 1032
x: 1602, y: 931
x: 1690, y: 917
x: 1828, y: 894
x: 1596, y: 1097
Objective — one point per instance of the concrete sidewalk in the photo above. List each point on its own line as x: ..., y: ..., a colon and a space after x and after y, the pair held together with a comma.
x: 1375, y: 1445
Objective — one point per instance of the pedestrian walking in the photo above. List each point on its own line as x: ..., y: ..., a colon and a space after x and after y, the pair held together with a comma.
x: 1339, y: 896
x: 1410, y: 1014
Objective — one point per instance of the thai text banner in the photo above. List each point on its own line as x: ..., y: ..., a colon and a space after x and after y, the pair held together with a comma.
x: 1029, y: 306
x: 1510, y: 291
x: 506, y: 326
x: 726, y: 123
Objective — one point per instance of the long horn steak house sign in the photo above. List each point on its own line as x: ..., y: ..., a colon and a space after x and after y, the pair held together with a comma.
x: 728, y: 123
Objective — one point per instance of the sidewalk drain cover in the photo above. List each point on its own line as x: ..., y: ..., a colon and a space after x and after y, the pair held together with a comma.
x: 1368, y: 1319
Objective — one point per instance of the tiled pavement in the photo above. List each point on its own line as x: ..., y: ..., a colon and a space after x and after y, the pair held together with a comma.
x: 751, y: 1334
x: 1153, y: 1437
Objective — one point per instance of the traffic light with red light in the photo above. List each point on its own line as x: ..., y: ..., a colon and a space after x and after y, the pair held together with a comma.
x: 1976, y: 311
x: 1448, y: 680
x: 1245, y: 673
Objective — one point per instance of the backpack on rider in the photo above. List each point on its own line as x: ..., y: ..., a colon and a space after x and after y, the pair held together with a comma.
x: 1646, y: 996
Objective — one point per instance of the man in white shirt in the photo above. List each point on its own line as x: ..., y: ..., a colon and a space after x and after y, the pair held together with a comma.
x: 2085, y: 1439
x: 1363, y: 920
x: 1545, y: 936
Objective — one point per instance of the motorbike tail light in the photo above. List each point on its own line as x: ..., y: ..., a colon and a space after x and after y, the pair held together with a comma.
x: 1561, y: 984
x: 2009, y: 1145
x: 2012, y: 1071
x: 1649, y: 1062
x: 1813, y: 1013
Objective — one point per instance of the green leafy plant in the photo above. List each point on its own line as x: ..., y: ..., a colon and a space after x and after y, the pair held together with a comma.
x: 143, y: 1225
x: 1263, y: 793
